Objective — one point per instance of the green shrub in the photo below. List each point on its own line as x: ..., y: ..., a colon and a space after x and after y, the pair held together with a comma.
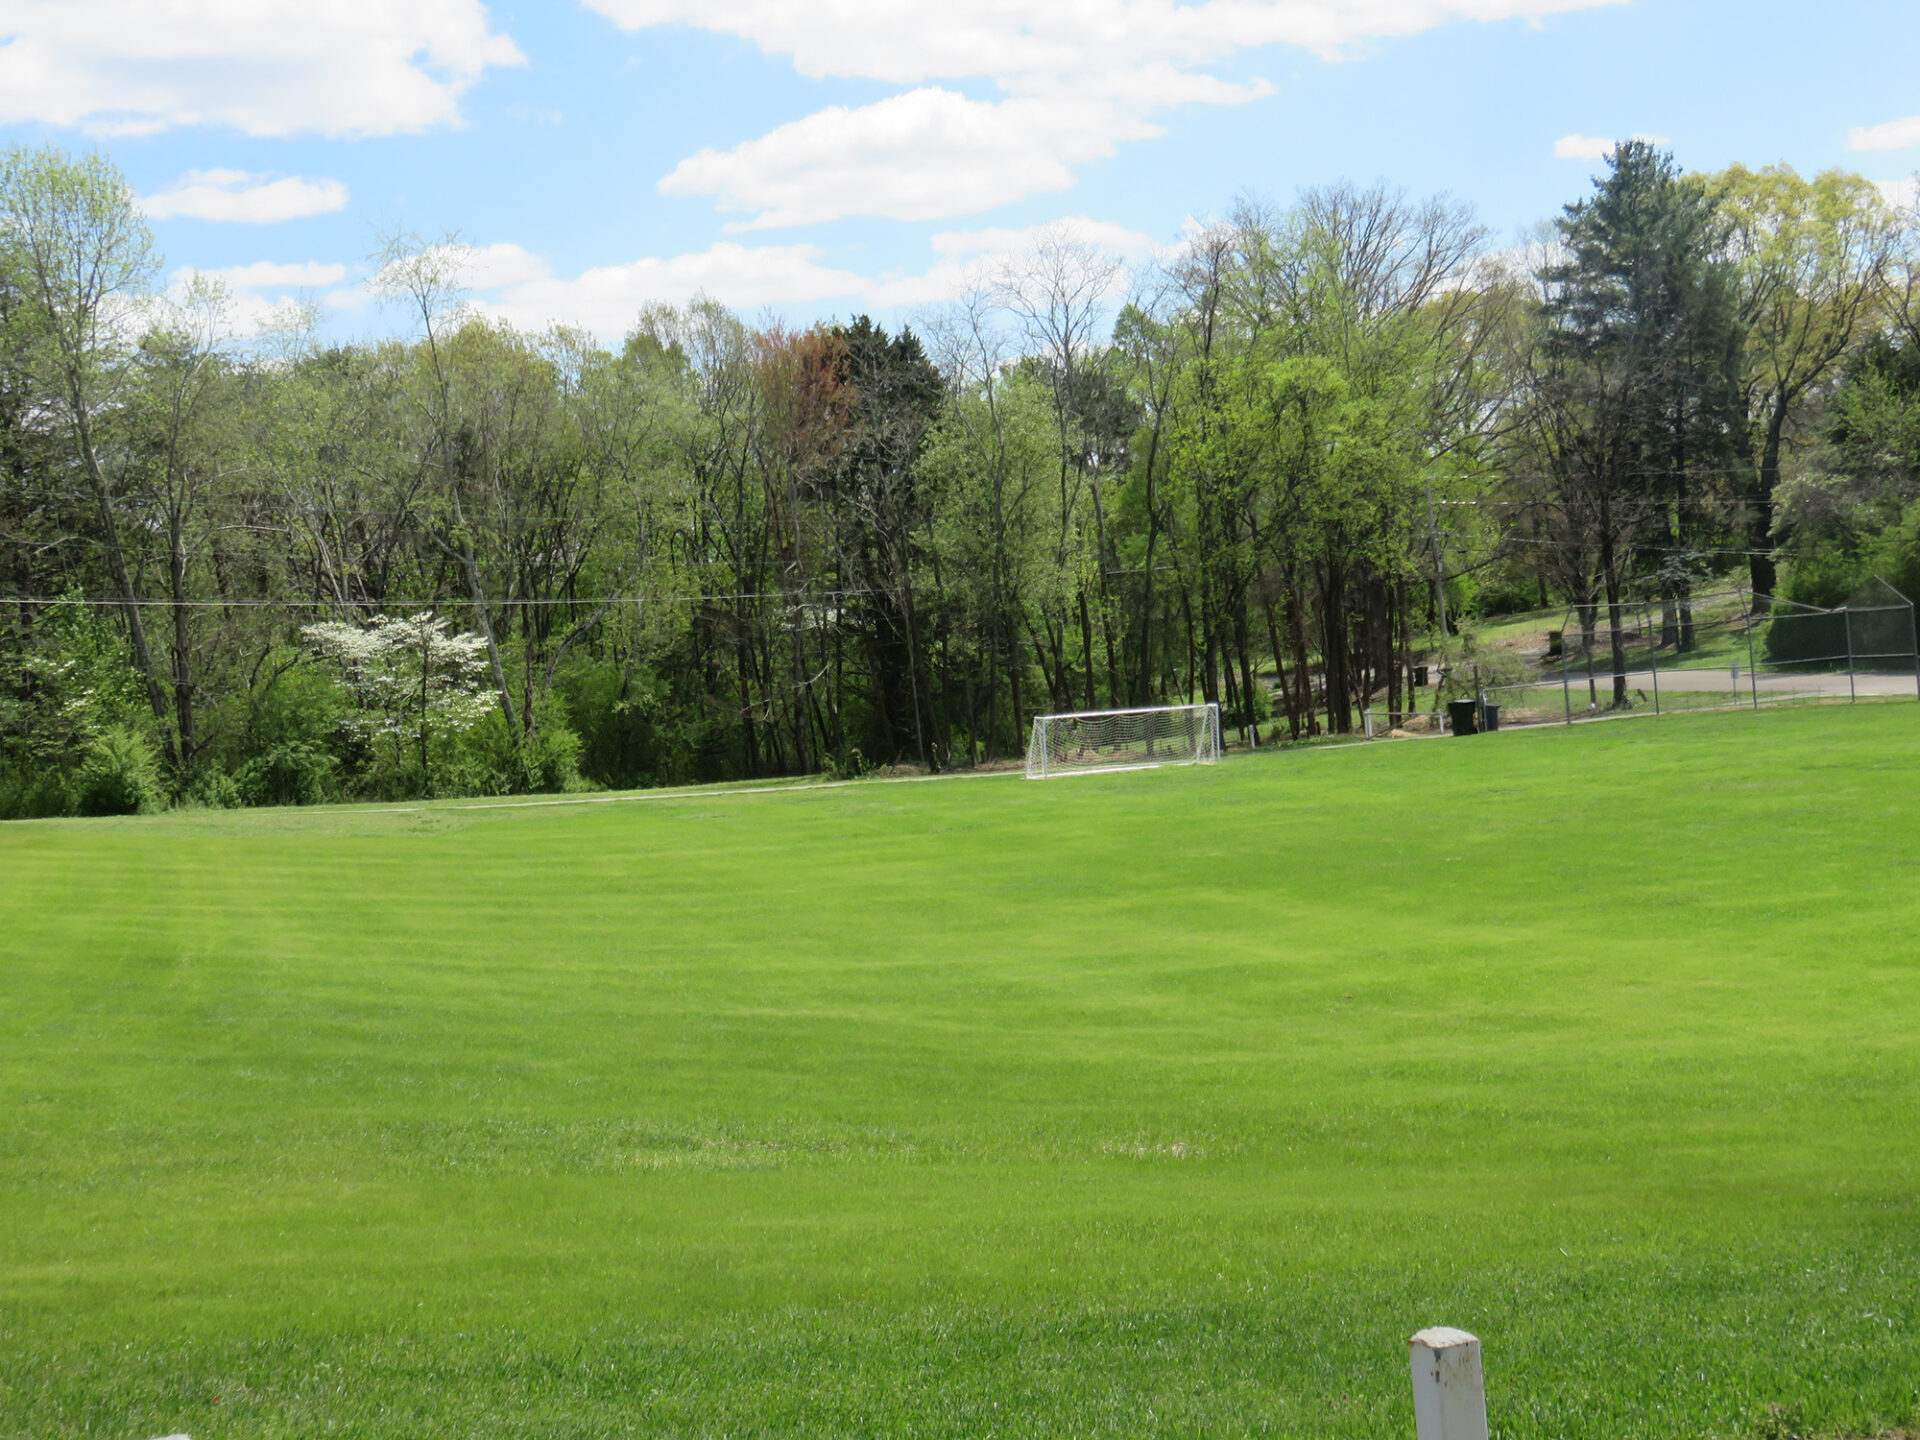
x: 1823, y: 575
x: 69, y: 683
x: 634, y: 731
x: 1809, y: 640
x: 550, y: 757
x: 291, y: 772
x: 1827, y: 577
x: 214, y: 789
x: 30, y: 792
x: 120, y: 775
x: 1895, y: 554
x: 850, y: 766
x: 493, y: 761
x: 1506, y: 592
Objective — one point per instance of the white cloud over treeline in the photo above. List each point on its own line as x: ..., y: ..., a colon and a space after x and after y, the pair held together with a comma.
x: 1596, y: 147
x: 1900, y: 134
x: 512, y: 283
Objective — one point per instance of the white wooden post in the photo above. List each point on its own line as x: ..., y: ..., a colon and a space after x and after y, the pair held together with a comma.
x: 1449, y: 1400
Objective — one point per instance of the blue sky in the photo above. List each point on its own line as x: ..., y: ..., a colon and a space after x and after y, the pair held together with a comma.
x: 826, y: 158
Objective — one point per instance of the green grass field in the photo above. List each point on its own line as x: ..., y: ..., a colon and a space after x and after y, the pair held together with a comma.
x: 1144, y: 1104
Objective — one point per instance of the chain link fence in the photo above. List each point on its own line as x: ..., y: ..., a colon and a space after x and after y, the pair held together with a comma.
x: 1710, y: 651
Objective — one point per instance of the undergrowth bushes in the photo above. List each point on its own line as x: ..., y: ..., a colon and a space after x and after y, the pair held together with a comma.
x: 77, y: 737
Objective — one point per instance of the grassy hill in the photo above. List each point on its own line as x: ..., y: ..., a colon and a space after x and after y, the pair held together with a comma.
x: 1138, y: 1104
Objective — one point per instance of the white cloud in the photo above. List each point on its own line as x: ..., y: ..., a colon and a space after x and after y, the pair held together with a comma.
x: 517, y: 285
x: 908, y: 41
x: 1522, y: 261
x: 967, y: 258
x: 513, y: 283
x: 492, y: 267
x: 258, y: 297
x: 1102, y: 234
x: 1596, y: 147
x: 1901, y: 194
x: 456, y: 268
x: 1894, y: 135
x: 267, y: 275
x: 1076, y: 77
x: 1582, y: 147
x: 607, y: 298
x: 249, y: 199
x: 923, y: 155
x: 265, y: 67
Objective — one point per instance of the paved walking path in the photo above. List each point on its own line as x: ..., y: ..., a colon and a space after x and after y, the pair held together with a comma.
x: 1722, y: 680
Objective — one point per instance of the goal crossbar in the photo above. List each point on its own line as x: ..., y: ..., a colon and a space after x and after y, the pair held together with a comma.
x: 1141, y: 738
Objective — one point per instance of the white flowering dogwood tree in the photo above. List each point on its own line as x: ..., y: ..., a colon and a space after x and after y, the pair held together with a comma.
x: 411, y: 680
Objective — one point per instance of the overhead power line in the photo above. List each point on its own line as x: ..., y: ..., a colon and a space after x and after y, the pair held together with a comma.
x: 446, y: 602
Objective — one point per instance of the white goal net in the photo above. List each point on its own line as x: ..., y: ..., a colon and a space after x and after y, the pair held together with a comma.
x: 1123, y: 740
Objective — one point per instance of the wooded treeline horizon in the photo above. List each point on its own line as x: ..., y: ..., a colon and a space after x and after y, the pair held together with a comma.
x: 1272, y: 469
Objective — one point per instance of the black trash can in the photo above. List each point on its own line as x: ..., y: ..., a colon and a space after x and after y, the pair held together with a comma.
x: 1489, y: 717
x: 1420, y: 676
x: 1460, y: 717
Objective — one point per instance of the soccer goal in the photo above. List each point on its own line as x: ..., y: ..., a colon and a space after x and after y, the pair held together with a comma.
x: 1123, y: 740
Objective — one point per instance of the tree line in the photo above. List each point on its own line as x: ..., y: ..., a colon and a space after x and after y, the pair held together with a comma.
x: 1275, y: 469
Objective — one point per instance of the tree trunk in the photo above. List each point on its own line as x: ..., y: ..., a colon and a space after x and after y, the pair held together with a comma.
x: 1144, y: 689
x: 1249, y: 721
x: 183, y: 707
x: 1014, y: 667
x: 481, y: 612
x: 1762, y: 573
x: 1086, y: 647
x: 1302, y: 673
x: 1395, y: 600
x: 1280, y: 672
x: 123, y: 577
x: 796, y: 613
x: 1186, y: 610
x: 914, y: 687
x: 802, y: 716
x: 743, y: 666
x: 1333, y: 650
x: 1614, y: 615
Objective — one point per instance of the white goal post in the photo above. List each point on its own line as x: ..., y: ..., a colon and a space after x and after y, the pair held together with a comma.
x: 1090, y: 740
